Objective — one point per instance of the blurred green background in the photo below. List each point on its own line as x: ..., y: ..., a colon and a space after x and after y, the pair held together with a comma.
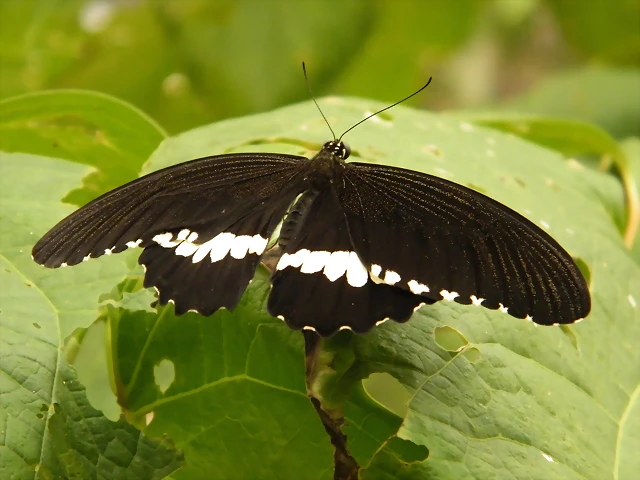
x: 191, y: 62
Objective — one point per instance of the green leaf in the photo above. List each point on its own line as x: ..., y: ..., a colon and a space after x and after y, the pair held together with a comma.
x: 608, y: 97
x: 631, y: 148
x: 604, y: 30
x: 49, y: 430
x: 234, y: 413
x: 408, y: 40
x: 511, y: 407
x: 86, y: 127
x: 513, y: 398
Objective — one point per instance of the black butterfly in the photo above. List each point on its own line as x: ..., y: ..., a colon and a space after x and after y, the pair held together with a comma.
x: 359, y: 243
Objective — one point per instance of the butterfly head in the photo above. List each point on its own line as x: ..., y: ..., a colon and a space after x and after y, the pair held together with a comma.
x: 337, y: 148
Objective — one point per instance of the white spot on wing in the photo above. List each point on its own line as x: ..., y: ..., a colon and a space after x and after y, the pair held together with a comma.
x: 86, y: 258
x: 315, y: 261
x: 240, y: 246
x: 134, y: 244
x: 356, y: 272
x: 292, y: 259
x: 529, y: 318
x: 183, y: 234
x: 447, y: 295
x: 380, y: 322
x: 476, y: 301
x: 202, y: 251
x: 258, y: 244
x: 108, y: 251
x: 186, y: 249
x: 417, y: 287
x: 391, y: 277
x: 220, y: 245
x: 503, y: 309
x: 336, y: 265
x: 375, y: 273
x: 63, y: 264
x: 165, y: 240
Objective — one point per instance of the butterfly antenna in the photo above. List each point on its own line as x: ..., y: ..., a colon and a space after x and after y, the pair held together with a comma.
x: 386, y: 108
x: 304, y: 70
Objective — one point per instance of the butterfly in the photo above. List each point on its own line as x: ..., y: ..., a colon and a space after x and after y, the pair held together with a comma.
x: 358, y: 243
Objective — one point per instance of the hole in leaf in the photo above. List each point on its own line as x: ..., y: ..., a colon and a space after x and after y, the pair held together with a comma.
x: 584, y: 269
x: 407, y: 451
x: 388, y: 392
x: 36, y: 325
x: 44, y: 407
x: 164, y: 374
x: 450, y: 339
x: 86, y: 350
x: 39, y: 415
x: 472, y: 354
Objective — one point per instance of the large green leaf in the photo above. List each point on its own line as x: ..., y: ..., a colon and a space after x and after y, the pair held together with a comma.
x: 86, y: 127
x: 49, y: 430
x: 489, y: 396
x: 517, y: 400
x: 608, y: 97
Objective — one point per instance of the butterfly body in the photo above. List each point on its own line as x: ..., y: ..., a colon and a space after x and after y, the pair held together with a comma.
x: 358, y: 244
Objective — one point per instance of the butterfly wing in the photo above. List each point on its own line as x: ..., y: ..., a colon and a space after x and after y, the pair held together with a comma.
x: 441, y: 240
x: 320, y: 282
x: 203, y: 224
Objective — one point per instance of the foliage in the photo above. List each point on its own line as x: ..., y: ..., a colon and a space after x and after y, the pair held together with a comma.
x: 98, y: 384
x: 501, y: 398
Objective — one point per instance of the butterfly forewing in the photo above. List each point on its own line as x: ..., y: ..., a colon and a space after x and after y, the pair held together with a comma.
x: 447, y: 242
x: 201, y: 191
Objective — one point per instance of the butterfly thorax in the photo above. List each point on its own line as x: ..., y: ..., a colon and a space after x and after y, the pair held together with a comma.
x: 322, y: 170
x: 328, y: 162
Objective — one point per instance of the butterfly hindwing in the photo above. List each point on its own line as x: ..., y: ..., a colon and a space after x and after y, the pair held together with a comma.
x: 320, y: 282
x: 210, y: 266
x: 447, y: 242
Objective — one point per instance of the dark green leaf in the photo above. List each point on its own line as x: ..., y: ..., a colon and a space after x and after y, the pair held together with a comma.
x: 49, y: 430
